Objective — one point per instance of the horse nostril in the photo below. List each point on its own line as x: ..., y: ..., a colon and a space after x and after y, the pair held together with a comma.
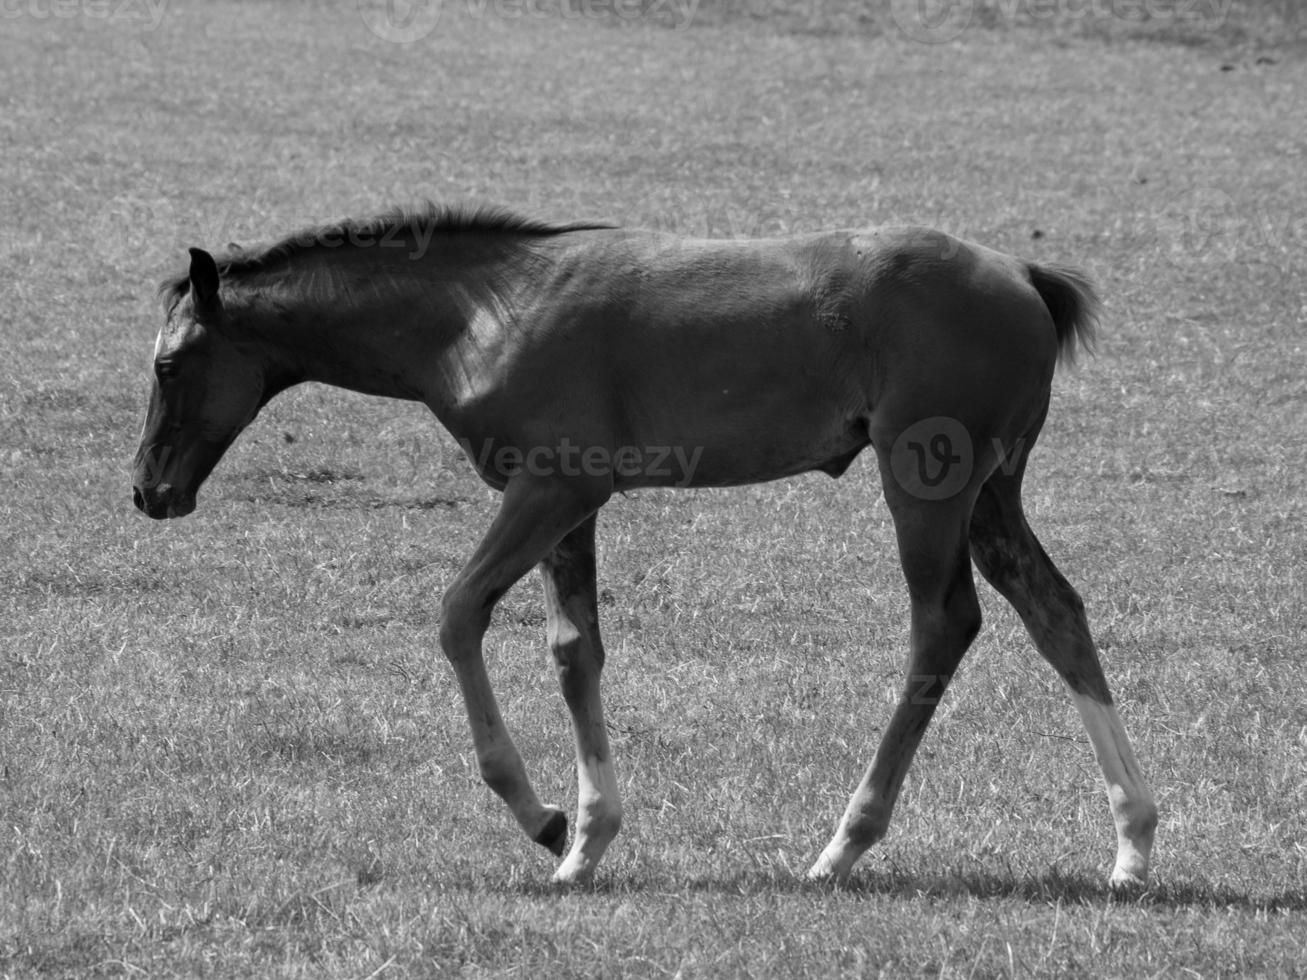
x: 138, y: 498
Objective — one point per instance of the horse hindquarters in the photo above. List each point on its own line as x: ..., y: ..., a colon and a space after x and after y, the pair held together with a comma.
x: 966, y: 391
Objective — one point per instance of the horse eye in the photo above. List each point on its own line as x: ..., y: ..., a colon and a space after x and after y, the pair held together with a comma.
x: 164, y: 370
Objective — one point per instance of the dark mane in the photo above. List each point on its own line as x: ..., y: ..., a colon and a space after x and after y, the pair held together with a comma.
x: 425, y: 221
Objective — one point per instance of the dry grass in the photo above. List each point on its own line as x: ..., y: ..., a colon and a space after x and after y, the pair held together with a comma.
x: 228, y: 745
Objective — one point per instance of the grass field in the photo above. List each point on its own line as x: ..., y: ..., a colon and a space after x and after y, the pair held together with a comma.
x: 229, y: 746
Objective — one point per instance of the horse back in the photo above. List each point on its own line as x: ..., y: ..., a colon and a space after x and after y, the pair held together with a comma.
x: 767, y: 357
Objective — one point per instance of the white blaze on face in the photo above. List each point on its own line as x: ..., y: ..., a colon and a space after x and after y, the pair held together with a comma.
x: 167, y: 341
x: 158, y: 349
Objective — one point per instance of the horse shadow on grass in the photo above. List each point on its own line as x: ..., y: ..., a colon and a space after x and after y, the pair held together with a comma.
x: 1052, y: 887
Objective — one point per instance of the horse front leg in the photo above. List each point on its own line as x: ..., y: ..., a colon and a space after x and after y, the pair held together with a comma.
x: 533, y: 517
x: 571, y: 603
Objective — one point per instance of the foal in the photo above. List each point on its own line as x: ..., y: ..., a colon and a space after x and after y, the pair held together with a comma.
x: 574, y: 361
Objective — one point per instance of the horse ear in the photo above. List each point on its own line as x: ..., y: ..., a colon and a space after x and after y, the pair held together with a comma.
x: 204, y: 279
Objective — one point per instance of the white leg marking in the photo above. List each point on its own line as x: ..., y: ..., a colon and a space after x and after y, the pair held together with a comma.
x: 573, y: 617
x: 864, y: 822
x: 598, y: 817
x: 837, y: 860
x: 867, y: 816
x: 1133, y: 809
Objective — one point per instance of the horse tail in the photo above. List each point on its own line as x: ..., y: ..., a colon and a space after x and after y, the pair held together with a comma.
x: 1073, y: 304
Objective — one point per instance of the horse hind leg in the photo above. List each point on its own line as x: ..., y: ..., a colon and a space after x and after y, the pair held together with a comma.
x: 571, y: 604
x: 1011, y: 558
x: 932, y: 538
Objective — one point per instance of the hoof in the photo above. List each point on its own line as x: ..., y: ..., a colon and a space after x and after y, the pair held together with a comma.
x: 554, y: 834
x: 1126, y: 884
x: 573, y: 877
x: 825, y: 872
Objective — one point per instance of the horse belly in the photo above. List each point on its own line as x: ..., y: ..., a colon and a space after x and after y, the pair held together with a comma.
x: 736, y: 433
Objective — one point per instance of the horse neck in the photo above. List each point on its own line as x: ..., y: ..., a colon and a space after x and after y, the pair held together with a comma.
x: 380, y: 328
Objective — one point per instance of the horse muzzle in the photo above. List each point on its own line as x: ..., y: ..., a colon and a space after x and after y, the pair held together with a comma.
x: 163, y: 501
